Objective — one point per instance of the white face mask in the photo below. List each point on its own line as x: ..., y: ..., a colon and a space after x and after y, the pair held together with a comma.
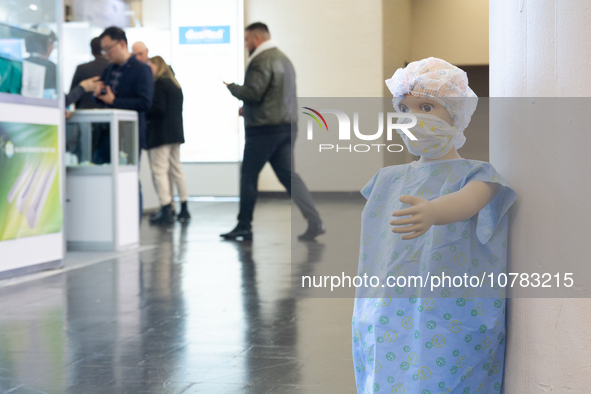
x: 435, y: 137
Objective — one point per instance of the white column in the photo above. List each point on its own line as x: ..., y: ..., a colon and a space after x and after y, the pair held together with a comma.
x: 540, y: 48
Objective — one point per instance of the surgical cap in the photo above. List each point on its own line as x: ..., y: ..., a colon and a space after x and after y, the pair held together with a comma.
x: 439, y: 81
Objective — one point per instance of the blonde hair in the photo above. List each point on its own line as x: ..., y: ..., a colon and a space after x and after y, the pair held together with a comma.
x: 163, y: 70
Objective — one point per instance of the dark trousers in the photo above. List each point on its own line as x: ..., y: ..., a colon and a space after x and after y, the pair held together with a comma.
x: 273, y: 144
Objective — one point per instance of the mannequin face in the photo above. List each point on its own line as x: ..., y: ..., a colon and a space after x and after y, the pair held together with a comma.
x: 422, y: 105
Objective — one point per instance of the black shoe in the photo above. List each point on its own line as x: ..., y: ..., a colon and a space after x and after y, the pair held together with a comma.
x: 164, y: 216
x: 312, y: 232
x: 184, y: 215
x: 238, y: 232
x: 156, y: 214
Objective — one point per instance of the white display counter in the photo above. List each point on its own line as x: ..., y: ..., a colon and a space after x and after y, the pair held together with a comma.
x: 31, y: 188
x: 31, y: 139
x: 102, y: 185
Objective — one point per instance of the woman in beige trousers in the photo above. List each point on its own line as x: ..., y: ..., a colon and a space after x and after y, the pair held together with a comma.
x: 164, y: 137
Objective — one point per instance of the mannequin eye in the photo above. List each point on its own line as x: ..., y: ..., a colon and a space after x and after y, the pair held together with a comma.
x: 427, y: 108
x: 403, y: 108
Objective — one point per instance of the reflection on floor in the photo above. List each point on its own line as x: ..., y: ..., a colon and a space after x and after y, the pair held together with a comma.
x: 191, y: 314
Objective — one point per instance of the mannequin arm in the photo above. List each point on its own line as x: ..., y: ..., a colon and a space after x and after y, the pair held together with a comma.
x: 450, y: 208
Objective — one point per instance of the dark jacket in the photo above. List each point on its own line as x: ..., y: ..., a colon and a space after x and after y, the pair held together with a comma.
x: 134, y: 91
x: 75, y: 95
x: 165, y: 118
x: 269, y: 90
x: 84, y: 71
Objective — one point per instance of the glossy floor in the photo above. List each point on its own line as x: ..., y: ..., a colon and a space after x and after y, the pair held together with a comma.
x: 187, y: 313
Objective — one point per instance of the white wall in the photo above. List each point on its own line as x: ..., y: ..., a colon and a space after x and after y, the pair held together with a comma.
x: 156, y: 13
x: 454, y: 30
x: 335, y: 45
x: 541, y: 49
x: 336, y: 50
x: 200, y: 181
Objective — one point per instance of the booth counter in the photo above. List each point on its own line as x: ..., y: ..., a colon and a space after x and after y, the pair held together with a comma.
x: 31, y: 140
x: 31, y: 168
x: 102, y: 196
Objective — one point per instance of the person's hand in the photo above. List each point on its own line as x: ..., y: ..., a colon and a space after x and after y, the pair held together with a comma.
x: 90, y: 84
x: 108, y: 97
x: 422, y: 216
x: 226, y: 83
x: 97, y: 89
x: 240, y: 111
x: 68, y: 114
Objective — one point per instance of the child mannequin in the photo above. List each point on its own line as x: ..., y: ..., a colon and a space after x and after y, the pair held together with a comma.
x: 451, y: 213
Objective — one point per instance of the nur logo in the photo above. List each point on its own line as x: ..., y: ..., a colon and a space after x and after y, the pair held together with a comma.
x: 344, y: 132
x: 345, y: 124
x: 315, y: 118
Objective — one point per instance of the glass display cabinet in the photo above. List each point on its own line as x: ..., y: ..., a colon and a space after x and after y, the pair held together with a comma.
x: 102, y: 180
x: 29, y: 58
x: 31, y: 137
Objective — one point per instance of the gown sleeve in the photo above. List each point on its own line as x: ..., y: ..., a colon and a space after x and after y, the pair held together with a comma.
x: 367, y: 189
x: 490, y: 216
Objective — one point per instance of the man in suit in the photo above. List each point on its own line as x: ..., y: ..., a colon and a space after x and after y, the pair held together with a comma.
x: 270, y: 115
x: 89, y: 70
x: 127, y: 83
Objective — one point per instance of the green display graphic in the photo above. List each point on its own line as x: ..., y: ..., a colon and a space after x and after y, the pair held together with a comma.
x: 30, y: 202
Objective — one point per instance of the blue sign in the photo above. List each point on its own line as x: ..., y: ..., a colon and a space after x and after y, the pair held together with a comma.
x: 204, y: 35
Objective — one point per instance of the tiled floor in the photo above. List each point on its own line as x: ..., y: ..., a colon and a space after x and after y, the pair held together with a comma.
x: 187, y: 313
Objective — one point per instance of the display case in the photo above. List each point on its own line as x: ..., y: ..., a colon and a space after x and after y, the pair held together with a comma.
x: 28, y: 51
x: 102, y: 180
x: 31, y: 137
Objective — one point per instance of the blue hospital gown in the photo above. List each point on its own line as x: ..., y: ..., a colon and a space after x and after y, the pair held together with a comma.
x: 452, y: 339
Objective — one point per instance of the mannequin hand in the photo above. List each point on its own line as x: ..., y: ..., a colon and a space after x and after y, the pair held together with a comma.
x: 422, y: 217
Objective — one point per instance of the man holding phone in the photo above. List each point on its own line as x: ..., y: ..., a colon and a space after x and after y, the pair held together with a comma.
x: 270, y: 115
x: 126, y: 83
